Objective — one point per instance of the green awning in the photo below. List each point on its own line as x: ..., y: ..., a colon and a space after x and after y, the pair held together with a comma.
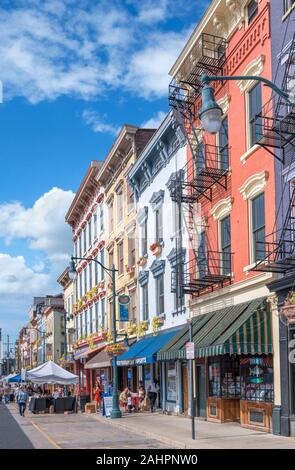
x: 243, y: 329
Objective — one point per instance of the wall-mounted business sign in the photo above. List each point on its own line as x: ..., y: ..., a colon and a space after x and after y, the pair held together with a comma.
x: 124, y: 299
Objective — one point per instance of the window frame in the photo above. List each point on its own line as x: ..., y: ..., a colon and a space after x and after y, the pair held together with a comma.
x: 225, y: 248
x: 254, y: 259
x: 255, y: 12
x: 250, y: 118
x: 120, y: 256
x: 160, y: 294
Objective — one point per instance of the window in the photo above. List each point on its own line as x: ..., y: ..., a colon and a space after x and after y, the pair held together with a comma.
x: 120, y: 258
x: 90, y: 321
x: 130, y: 198
x: 223, y: 145
x: 80, y: 285
x: 111, y: 216
x: 177, y: 279
x: 90, y: 275
x: 199, y: 159
x: 101, y: 215
x: 159, y: 224
x: 171, y: 381
x: 85, y: 280
x: 103, y: 313
x: 252, y: 10
x: 111, y: 258
x: 80, y: 245
x: 144, y: 237
x: 102, y: 262
x: 86, y: 322
x: 258, y: 227
x: 160, y: 294
x: 131, y: 249
x: 77, y: 326
x: 201, y: 256
x: 255, y: 108
x: 96, y: 270
x: 96, y: 317
x: 84, y: 240
x: 81, y: 326
x: 132, y: 314
x: 225, y: 244
x: 145, y: 302
x: 288, y: 4
x: 95, y: 225
x: 120, y: 205
x: 89, y: 233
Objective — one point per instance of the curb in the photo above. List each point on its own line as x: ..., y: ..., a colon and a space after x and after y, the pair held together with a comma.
x: 147, y: 434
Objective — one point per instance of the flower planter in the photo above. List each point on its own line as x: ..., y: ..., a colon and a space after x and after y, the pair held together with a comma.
x: 156, y: 249
x: 142, y: 261
x: 100, y: 285
x: 130, y: 270
x: 116, y: 349
x: 157, y: 322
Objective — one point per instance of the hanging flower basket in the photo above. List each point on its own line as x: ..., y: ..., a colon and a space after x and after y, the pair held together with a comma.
x: 131, y: 329
x: 130, y: 270
x: 157, y: 322
x: 288, y: 309
x: 156, y: 248
x: 142, y: 261
x: 100, y: 285
x: 116, y: 349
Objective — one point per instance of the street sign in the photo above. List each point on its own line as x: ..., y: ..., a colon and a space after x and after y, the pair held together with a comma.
x: 190, y: 350
x: 124, y: 312
x: 124, y: 299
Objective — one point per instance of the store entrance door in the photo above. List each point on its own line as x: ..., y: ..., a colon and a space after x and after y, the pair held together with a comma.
x: 185, y: 388
x: 201, y: 391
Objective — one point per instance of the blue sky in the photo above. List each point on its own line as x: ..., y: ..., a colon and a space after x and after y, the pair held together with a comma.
x: 73, y: 72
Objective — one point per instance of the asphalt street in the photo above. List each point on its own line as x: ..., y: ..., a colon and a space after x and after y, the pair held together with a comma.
x: 11, y: 434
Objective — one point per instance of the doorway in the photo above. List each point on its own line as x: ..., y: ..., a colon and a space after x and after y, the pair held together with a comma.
x: 201, y: 391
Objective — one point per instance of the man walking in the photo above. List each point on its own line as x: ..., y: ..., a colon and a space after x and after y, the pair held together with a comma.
x: 22, y: 398
x: 153, y: 392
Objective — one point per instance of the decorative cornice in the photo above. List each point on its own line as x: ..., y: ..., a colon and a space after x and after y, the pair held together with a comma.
x: 174, y: 257
x: 254, y: 185
x: 143, y: 278
x: 224, y: 103
x: 222, y: 208
x: 157, y: 268
x: 254, y: 68
x: 157, y: 199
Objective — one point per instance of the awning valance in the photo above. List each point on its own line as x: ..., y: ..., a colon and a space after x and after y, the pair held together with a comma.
x: 145, y: 350
x: 100, y: 360
x: 243, y: 329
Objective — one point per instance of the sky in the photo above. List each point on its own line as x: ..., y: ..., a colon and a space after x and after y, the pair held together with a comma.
x: 72, y: 72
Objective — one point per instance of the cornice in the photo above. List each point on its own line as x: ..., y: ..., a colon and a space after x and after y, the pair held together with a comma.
x: 222, y: 208
x: 254, y: 185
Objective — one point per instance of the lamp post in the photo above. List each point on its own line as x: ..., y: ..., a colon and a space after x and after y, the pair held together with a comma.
x: 115, y: 413
x: 211, y: 112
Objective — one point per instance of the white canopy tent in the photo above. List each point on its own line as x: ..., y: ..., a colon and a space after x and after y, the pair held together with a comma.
x: 51, y: 373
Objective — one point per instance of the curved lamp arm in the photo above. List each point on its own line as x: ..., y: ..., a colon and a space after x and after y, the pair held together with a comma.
x: 290, y: 97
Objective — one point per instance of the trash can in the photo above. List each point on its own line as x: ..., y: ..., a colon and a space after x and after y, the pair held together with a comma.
x: 83, y: 400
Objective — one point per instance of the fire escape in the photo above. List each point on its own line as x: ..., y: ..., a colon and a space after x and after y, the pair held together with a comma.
x: 276, y: 125
x: 208, y: 168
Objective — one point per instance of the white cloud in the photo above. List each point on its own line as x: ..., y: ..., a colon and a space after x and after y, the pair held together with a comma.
x: 155, y: 121
x: 86, y: 49
x: 43, y: 224
x: 97, y: 123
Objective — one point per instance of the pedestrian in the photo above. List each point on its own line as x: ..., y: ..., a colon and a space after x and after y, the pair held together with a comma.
x: 153, y: 393
x: 98, y: 391
x: 6, y: 394
x: 22, y: 398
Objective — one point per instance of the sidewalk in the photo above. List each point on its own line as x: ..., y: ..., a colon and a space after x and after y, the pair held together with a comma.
x: 175, y: 431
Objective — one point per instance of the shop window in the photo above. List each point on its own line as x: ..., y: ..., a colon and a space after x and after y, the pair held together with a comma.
x: 257, y: 378
x: 255, y: 109
x: 252, y: 10
x: 224, y: 377
x: 225, y: 242
x: 171, y: 382
x: 258, y: 227
x: 223, y: 145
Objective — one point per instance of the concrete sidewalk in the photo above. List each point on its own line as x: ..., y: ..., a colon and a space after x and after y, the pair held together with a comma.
x: 175, y: 431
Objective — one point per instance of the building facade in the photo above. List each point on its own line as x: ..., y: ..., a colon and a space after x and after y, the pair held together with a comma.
x: 228, y: 184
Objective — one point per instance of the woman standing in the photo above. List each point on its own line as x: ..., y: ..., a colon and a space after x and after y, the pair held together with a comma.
x: 98, y: 391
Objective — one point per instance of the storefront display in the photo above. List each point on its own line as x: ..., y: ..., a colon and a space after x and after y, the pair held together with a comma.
x: 224, y: 377
x: 257, y: 379
x: 171, y: 381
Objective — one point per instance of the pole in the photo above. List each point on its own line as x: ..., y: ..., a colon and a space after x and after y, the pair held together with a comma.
x: 65, y: 333
x: 44, y: 347
x: 8, y: 356
x: 116, y: 413
x: 191, y: 365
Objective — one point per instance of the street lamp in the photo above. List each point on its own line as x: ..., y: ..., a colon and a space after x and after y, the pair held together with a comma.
x: 211, y: 113
x: 115, y: 413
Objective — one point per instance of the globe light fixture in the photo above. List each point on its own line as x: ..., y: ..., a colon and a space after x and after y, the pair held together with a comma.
x: 211, y: 113
x: 72, y: 270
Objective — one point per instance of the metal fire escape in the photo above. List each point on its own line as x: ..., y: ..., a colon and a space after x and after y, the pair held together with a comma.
x: 277, y: 252
x: 208, y: 167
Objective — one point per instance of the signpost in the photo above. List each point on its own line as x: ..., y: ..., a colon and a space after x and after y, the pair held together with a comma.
x: 190, y: 355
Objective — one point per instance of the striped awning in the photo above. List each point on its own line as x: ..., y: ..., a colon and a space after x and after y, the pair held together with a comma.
x: 243, y: 329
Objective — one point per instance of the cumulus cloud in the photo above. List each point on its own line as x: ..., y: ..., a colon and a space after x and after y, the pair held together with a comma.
x: 155, y: 121
x: 43, y: 224
x: 98, y: 123
x: 85, y: 49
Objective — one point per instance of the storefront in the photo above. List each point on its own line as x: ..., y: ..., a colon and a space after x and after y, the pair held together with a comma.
x: 140, y: 361
x: 81, y: 356
x: 233, y: 366
x: 284, y: 415
x: 99, y: 367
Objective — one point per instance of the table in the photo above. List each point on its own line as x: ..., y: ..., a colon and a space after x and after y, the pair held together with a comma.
x: 40, y: 404
x: 64, y: 404
x: 60, y: 404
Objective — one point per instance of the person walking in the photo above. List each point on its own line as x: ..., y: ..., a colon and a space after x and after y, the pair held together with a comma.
x: 22, y: 398
x: 153, y: 393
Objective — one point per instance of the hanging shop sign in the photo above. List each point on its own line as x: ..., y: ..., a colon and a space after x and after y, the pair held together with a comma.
x: 190, y: 350
x: 124, y: 299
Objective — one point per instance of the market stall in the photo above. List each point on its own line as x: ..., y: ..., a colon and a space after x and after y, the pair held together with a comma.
x: 51, y: 373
